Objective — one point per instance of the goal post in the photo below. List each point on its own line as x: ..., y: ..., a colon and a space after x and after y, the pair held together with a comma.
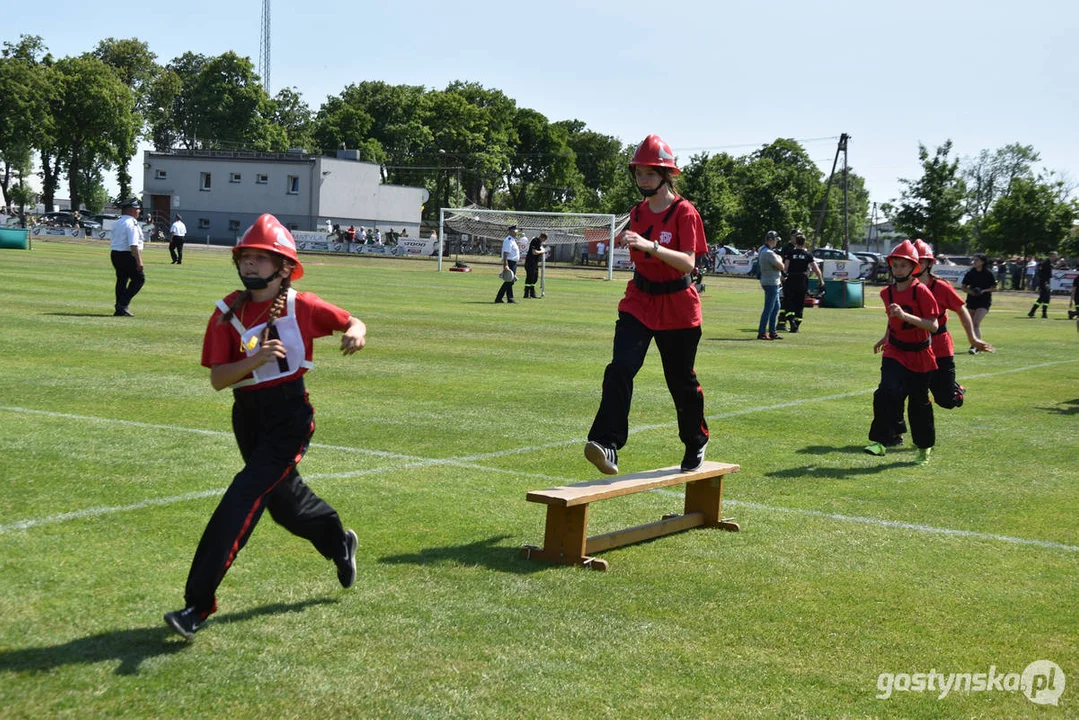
x: 577, y: 229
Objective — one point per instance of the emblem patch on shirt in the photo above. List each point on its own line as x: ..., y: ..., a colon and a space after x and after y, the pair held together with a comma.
x: 665, y: 237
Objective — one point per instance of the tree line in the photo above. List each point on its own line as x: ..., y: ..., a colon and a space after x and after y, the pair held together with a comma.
x: 83, y: 116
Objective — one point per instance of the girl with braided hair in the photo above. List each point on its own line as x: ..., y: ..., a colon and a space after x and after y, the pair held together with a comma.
x: 259, y: 343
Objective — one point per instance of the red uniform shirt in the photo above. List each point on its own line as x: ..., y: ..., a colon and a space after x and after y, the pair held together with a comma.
x: 682, y: 231
x: 947, y: 299
x: 918, y: 301
x: 315, y: 317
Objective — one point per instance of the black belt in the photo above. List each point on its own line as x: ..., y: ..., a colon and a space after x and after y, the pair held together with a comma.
x: 941, y: 329
x: 661, y: 288
x: 909, y: 347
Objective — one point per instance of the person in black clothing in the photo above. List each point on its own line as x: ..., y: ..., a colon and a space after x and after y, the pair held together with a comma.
x: 979, y: 285
x: 535, y: 252
x: 1043, y: 277
x: 796, y: 266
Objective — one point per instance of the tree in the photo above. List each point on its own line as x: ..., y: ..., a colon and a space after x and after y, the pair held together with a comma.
x: 96, y: 123
x: 25, y: 122
x: 932, y: 206
x: 856, y: 222
x: 1030, y: 219
x: 489, y: 159
x: 543, y: 169
x: 601, y: 161
x: 779, y: 186
x: 292, y: 115
x: 708, y: 181
x: 989, y: 176
x: 137, y: 68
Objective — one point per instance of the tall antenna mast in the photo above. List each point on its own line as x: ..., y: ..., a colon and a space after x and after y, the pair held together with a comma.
x: 264, y: 47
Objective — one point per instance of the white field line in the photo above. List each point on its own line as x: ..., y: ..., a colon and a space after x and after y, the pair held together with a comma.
x: 469, y: 463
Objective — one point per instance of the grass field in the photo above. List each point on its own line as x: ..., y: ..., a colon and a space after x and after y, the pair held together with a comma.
x: 116, y: 449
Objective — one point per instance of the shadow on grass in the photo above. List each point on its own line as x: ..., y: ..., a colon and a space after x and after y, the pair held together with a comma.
x: 828, y: 450
x: 100, y: 314
x: 818, y: 471
x: 130, y: 647
x: 488, y: 553
x: 1073, y: 410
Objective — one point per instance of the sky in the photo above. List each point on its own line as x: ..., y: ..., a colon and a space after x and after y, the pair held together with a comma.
x: 706, y: 75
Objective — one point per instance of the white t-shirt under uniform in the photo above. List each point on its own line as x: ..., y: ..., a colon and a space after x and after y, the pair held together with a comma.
x: 125, y: 234
x: 178, y: 229
x: 510, y: 249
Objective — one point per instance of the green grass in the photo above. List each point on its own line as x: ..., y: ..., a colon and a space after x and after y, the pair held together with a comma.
x: 115, y: 450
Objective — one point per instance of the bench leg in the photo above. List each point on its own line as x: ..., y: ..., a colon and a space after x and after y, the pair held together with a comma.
x: 706, y: 497
x: 564, y: 538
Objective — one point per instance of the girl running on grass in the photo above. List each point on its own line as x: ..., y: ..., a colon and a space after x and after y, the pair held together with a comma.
x: 665, y: 237
x: 908, y: 362
x: 259, y: 343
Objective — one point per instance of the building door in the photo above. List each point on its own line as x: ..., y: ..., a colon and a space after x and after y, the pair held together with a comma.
x: 161, y: 211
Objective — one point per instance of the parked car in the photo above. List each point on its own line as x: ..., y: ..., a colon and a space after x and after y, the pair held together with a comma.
x: 838, y: 264
x: 65, y: 218
x: 955, y: 260
x: 879, y: 270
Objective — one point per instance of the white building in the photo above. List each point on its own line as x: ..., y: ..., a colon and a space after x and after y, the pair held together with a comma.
x: 220, y: 193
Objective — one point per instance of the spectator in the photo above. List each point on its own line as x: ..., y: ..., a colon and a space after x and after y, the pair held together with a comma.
x: 771, y: 269
x: 178, y: 231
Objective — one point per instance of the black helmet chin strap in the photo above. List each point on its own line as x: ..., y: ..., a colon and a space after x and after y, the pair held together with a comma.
x: 257, y: 283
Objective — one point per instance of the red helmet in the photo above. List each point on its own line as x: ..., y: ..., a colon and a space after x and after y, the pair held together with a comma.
x: 925, y: 250
x: 656, y: 153
x: 270, y: 235
x: 906, y: 251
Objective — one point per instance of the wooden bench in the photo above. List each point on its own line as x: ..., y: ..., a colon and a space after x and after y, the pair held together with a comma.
x: 566, y: 541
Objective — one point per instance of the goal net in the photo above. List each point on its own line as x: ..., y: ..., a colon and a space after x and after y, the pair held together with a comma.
x: 570, y: 235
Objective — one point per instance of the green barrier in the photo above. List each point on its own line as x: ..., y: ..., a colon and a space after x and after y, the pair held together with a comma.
x: 13, y: 238
x: 843, y: 294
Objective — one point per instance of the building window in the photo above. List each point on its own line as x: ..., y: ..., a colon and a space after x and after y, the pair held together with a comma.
x: 234, y: 224
x: 293, y: 184
x: 204, y: 181
x: 235, y: 177
x: 161, y: 174
x: 204, y: 223
x: 292, y: 227
x: 262, y: 179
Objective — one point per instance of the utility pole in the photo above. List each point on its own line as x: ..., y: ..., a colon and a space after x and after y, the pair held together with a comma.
x: 264, y: 47
x: 841, y: 148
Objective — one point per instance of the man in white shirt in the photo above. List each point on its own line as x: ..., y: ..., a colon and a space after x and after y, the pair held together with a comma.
x: 511, y: 253
x: 176, y: 244
x: 127, y: 243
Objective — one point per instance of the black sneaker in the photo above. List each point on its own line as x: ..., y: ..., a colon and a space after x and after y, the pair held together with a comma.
x: 603, y: 457
x: 185, y: 622
x: 122, y: 312
x: 346, y: 566
x: 693, y: 458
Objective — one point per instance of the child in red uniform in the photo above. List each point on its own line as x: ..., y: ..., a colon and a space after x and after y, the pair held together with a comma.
x: 665, y: 237
x: 908, y: 362
x: 259, y: 342
x: 946, y: 391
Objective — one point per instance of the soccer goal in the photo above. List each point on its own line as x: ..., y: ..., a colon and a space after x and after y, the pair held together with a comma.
x: 586, y: 232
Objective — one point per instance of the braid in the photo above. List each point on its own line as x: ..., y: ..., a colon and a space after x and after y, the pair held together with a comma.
x: 239, y: 302
x: 279, y: 302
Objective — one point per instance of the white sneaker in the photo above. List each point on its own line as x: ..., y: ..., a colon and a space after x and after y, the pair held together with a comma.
x: 603, y: 457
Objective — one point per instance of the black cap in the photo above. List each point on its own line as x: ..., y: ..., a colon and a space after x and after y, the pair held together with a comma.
x: 130, y: 203
x: 511, y: 228
x: 772, y: 234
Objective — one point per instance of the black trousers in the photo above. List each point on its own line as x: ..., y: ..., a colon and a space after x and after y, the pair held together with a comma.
x: 943, y: 384
x: 678, y: 352
x: 795, y: 287
x: 129, y: 279
x: 531, y: 273
x: 273, y: 428
x: 507, y: 287
x: 176, y: 248
x: 899, y: 386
